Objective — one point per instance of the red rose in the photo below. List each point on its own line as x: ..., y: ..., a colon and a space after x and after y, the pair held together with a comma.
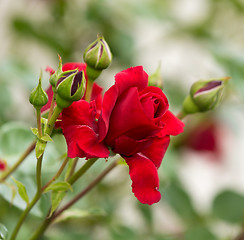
x: 3, y: 165
x: 136, y: 123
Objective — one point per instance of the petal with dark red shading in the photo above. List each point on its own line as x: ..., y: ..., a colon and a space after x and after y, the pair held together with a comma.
x: 145, y: 181
x: 172, y: 125
x: 82, y: 142
x: 155, y: 152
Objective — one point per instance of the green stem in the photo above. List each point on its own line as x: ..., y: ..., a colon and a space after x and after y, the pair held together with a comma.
x: 48, y: 221
x: 6, y: 174
x: 51, y: 122
x: 82, y: 170
x: 72, y: 170
x: 51, y: 106
x: 39, y: 124
x: 24, y: 215
x: 89, y: 86
x: 48, y: 130
x: 57, y: 174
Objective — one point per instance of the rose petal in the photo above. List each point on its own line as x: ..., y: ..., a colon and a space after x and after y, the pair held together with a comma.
x: 82, y: 141
x: 155, y: 152
x: 128, y: 146
x: 131, y: 77
x: 145, y: 181
x: 172, y: 125
x: 49, y: 92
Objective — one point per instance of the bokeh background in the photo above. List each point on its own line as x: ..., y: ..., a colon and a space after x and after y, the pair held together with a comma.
x: 202, y: 180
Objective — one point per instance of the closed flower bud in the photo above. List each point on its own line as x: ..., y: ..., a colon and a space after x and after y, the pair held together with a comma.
x: 70, y: 87
x: 38, y: 97
x: 3, y: 165
x: 97, y: 56
x: 204, y: 95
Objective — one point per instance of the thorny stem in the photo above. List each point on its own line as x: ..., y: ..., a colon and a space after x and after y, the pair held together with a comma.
x: 39, y: 124
x: 21, y: 159
x: 48, y: 221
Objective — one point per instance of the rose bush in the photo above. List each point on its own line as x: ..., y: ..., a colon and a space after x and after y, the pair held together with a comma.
x: 135, y: 122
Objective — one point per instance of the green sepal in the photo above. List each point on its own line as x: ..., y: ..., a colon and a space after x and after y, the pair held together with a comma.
x: 40, y: 147
x: 44, y: 138
x: 55, y: 77
x: 22, y: 190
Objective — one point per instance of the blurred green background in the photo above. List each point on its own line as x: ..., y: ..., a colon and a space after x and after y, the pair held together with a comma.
x: 202, y: 187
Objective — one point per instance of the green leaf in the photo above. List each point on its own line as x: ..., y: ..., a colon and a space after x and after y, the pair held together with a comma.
x: 78, y: 213
x: 35, y: 131
x: 229, y: 206
x: 15, y: 137
x: 199, y: 233
x: 56, y: 198
x: 46, y: 138
x: 3, y: 232
x: 59, y: 187
x: 21, y: 190
x: 178, y: 198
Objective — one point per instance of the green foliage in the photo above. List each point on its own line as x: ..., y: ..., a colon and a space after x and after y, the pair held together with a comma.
x: 14, y: 138
x: 3, y: 232
x: 180, y: 201
x: 21, y: 190
x: 229, y: 206
x: 199, y: 233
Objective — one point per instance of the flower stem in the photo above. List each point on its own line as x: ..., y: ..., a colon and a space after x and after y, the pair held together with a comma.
x: 6, y: 174
x: 51, y: 106
x: 57, y: 174
x: 51, y: 122
x: 72, y: 170
x: 89, y: 86
x: 48, y: 221
x: 39, y: 124
x: 82, y: 170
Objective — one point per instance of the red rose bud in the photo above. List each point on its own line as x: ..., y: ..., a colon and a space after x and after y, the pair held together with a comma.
x: 97, y: 56
x: 204, y: 95
x: 70, y: 87
x: 38, y: 97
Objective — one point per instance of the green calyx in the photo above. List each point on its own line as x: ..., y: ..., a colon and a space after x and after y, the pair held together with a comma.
x: 38, y: 97
x: 70, y: 87
x: 97, y: 56
x: 156, y: 78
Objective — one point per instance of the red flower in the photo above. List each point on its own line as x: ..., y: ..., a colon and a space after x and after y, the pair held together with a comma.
x: 3, y: 165
x: 135, y: 122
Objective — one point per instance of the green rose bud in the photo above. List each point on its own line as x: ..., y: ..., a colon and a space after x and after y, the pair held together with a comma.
x: 70, y: 87
x: 97, y: 56
x: 204, y: 95
x: 38, y: 97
